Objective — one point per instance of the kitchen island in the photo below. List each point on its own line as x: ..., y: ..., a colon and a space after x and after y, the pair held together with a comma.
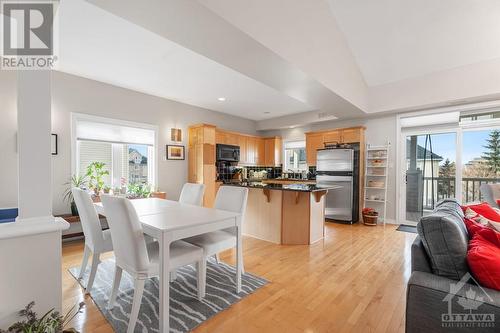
x: 288, y: 214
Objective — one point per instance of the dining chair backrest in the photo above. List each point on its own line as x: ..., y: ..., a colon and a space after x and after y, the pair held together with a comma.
x: 233, y: 199
x: 192, y: 194
x: 127, y: 234
x: 89, y: 218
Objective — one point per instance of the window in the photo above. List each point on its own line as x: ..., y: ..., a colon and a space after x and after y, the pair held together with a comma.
x: 126, y: 150
x: 295, y: 156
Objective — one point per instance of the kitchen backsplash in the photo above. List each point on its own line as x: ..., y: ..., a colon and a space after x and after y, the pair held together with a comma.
x: 227, y: 171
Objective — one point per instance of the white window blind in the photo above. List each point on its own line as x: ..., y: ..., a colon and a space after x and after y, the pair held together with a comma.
x: 106, y: 132
x: 430, y: 119
x: 92, y: 151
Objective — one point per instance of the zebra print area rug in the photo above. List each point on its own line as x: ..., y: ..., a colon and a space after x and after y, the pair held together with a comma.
x: 186, y: 312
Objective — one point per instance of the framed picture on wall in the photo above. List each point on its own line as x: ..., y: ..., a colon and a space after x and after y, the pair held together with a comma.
x: 175, y: 152
x: 53, y: 143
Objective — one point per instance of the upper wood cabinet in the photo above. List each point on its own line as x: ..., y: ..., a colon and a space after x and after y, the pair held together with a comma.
x: 253, y: 150
x: 201, y: 159
x: 313, y: 143
x: 242, y: 143
x: 351, y: 135
x: 272, y: 151
x: 332, y: 137
x: 317, y: 140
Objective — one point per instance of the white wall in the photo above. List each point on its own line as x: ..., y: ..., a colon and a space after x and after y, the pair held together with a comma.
x: 379, y: 130
x: 75, y: 94
x: 8, y: 144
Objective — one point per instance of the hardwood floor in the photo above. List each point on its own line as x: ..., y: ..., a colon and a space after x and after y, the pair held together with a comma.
x: 352, y: 281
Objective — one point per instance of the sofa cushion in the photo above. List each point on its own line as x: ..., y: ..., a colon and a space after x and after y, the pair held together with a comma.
x: 485, y: 210
x: 484, y: 262
x: 445, y: 239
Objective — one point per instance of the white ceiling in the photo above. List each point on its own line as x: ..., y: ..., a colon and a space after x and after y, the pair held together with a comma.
x: 296, y: 58
x: 98, y: 45
x: 394, y: 40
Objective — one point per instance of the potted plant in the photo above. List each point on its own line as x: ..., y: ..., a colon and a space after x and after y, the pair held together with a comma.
x: 51, y: 321
x: 370, y: 216
x: 75, y: 181
x: 138, y: 191
x: 96, y: 173
x: 106, y: 189
x: 158, y: 194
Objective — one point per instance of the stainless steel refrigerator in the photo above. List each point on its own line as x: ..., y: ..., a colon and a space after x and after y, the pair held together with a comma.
x: 340, y: 166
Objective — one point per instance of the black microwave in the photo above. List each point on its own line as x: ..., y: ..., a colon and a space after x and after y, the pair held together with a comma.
x: 228, y: 153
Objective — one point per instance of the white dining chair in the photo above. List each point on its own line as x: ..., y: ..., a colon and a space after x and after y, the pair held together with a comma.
x: 97, y: 241
x: 192, y: 194
x: 139, y: 259
x: 229, y: 198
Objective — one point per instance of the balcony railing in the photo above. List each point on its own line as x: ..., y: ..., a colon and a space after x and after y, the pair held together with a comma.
x: 444, y: 187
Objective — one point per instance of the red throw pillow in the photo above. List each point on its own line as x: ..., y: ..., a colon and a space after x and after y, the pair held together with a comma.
x: 491, y: 235
x: 473, y: 227
x: 498, y: 202
x: 486, y: 210
x: 483, y: 258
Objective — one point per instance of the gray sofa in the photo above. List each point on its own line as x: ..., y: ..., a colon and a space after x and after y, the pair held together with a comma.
x: 441, y: 295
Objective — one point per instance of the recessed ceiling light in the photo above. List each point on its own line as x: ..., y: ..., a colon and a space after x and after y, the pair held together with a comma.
x: 267, y: 112
x: 221, y: 99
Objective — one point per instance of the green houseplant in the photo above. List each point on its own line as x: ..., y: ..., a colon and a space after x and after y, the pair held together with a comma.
x: 136, y: 191
x: 96, y: 173
x: 75, y: 181
x: 50, y: 322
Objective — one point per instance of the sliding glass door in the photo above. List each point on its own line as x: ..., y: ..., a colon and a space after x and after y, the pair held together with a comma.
x: 430, y: 165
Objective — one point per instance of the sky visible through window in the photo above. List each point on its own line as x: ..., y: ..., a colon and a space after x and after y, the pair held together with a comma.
x: 445, y: 144
x: 143, y: 150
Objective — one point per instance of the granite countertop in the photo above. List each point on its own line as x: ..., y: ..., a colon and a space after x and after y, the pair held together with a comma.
x: 287, y: 187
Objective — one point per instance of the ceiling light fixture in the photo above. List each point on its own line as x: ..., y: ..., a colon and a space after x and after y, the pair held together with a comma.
x: 221, y: 99
x: 267, y: 112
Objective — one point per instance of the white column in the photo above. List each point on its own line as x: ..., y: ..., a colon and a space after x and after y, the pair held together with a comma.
x: 34, y: 148
x: 30, y: 248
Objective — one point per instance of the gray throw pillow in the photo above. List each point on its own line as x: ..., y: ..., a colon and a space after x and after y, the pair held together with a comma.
x: 445, y: 240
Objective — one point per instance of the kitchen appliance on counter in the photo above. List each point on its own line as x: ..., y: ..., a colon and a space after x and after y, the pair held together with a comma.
x: 340, y: 166
x: 227, y: 153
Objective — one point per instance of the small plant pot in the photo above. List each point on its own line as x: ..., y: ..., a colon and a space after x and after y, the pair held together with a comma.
x: 74, y: 210
x: 159, y: 195
x: 370, y: 219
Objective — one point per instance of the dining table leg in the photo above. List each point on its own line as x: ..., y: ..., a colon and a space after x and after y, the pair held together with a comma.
x: 164, y: 277
x: 239, y: 255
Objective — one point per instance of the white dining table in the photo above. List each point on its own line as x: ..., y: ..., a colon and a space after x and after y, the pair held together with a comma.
x: 168, y: 221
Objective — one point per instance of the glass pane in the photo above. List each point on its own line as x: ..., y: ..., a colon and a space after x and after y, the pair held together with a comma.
x: 295, y: 159
x: 137, y: 164
x: 430, y: 175
x: 481, y: 162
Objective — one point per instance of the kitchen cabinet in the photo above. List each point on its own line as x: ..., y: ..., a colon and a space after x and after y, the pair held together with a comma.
x: 351, y: 135
x: 260, y: 158
x: 220, y: 137
x: 314, y: 141
x: 272, y: 151
x: 251, y: 150
x: 242, y: 143
x: 201, y: 159
x: 332, y: 137
x: 317, y: 140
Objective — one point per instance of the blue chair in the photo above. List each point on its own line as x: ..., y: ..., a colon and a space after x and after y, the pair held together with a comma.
x: 8, y: 215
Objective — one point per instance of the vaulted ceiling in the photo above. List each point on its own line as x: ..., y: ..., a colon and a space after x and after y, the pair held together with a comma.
x: 314, y: 59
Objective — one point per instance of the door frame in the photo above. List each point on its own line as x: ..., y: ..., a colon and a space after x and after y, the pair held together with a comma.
x: 402, y: 164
